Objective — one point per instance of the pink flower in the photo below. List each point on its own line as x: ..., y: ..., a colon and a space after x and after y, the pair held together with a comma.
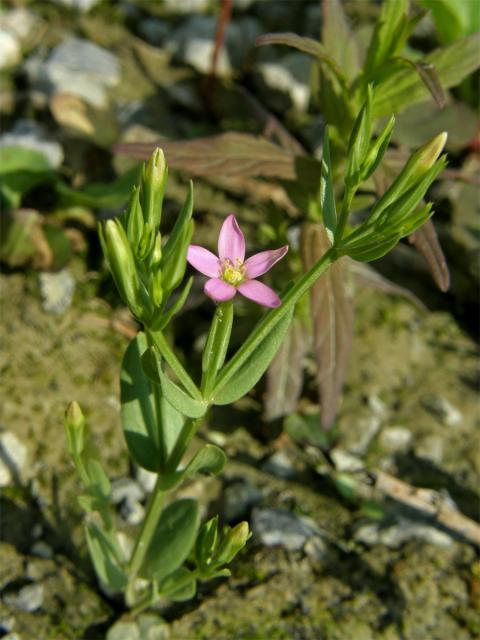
x: 230, y: 272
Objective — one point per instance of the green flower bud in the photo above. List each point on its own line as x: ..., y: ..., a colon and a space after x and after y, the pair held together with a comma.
x: 75, y: 429
x: 154, y: 180
x: 234, y: 540
x: 122, y: 264
x: 135, y: 220
x: 155, y: 288
x: 422, y: 162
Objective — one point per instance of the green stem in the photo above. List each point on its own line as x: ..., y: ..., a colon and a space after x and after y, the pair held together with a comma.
x: 154, y: 510
x: 217, y: 345
x: 174, y: 363
x: 268, y: 323
x: 186, y: 434
x: 159, y: 432
x: 344, y: 213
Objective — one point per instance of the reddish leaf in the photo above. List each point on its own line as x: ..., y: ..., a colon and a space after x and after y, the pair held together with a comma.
x: 332, y: 321
x: 227, y: 154
x: 306, y: 45
x: 426, y: 241
x: 285, y: 374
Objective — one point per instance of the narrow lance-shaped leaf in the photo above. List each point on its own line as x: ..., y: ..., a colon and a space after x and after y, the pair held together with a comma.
x: 338, y: 39
x: 285, y: 374
x: 332, y: 322
x: 327, y: 198
x: 254, y: 367
x: 306, y: 45
x: 388, y: 37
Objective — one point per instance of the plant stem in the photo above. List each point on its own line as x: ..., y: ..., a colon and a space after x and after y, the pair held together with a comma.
x: 268, y: 323
x: 186, y: 434
x: 171, y: 359
x: 344, y: 212
x: 217, y: 345
x: 154, y: 509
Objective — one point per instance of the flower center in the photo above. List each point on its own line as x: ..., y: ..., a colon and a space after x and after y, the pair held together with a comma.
x: 233, y: 274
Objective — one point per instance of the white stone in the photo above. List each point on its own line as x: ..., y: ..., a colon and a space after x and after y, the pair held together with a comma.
x: 28, y: 134
x: 19, y: 22
x: 345, y: 462
x: 399, y: 534
x: 147, y: 479
x: 80, y: 5
x: 28, y: 599
x: 13, y: 457
x: 10, y: 50
x: 291, y: 76
x: 186, y: 6
x: 78, y: 67
x: 443, y: 409
x: 57, y: 291
x: 395, y: 439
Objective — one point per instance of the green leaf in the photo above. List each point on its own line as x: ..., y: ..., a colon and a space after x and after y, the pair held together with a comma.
x: 388, y: 37
x: 453, y: 18
x: 247, y: 376
x: 179, y: 586
x: 368, y: 251
x: 98, y: 478
x: 21, y: 169
x: 180, y: 400
x: 210, y: 459
x: 327, y: 198
x: 404, y: 88
x: 176, y: 235
x: 172, y: 541
x: 106, y: 563
x: 158, y: 324
x: 359, y: 142
x: 338, y: 39
x: 138, y: 408
x: 102, y: 195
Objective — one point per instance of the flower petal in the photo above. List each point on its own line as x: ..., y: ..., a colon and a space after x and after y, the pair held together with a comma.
x: 259, y: 292
x: 219, y: 290
x: 203, y: 260
x: 262, y: 262
x: 231, y: 241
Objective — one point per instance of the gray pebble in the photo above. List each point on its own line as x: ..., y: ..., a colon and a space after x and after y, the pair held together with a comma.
x: 28, y: 599
x: 274, y: 527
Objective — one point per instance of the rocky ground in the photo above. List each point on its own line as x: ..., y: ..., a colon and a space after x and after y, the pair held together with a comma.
x: 324, y: 562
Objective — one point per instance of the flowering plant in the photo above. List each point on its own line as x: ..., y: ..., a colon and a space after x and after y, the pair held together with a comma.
x: 162, y: 406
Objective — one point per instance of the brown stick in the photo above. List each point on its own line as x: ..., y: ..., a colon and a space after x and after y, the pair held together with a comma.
x: 426, y: 501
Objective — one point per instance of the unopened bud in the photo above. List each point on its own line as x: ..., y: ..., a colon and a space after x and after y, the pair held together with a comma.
x: 155, y: 288
x: 122, y: 264
x: 154, y: 179
x: 135, y: 220
x: 234, y: 540
x: 75, y: 428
